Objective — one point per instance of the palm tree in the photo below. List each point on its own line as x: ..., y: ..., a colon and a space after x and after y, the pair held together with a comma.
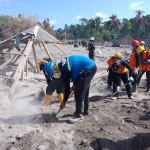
x: 95, y: 24
x: 139, y: 22
x: 114, y: 24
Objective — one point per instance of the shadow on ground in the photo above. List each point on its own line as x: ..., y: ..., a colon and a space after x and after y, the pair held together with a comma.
x: 40, y: 119
x: 140, y: 142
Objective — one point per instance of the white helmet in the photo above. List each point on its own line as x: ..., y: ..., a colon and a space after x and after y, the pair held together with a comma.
x: 92, y: 39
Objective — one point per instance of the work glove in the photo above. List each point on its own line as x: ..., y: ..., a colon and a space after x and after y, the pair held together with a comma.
x: 148, y: 61
x: 135, y: 71
x: 118, y: 88
x: 130, y: 80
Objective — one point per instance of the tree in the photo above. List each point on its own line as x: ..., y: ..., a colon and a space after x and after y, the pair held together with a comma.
x: 95, y: 24
x: 139, y: 22
x: 126, y: 26
x: 114, y: 24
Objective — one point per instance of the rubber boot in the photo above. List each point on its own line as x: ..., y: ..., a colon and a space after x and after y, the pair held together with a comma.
x: 86, y: 107
x: 78, y: 117
x: 60, y: 97
x: 47, y: 100
x: 134, y: 88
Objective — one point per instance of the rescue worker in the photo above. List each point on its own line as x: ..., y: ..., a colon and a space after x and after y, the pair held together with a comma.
x: 91, y: 49
x: 145, y: 65
x: 53, y: 80
x: 142, y: 43
x: 119, y: 70
x: 110, y: 61
x: 134, y: 62
x: 80, y: 70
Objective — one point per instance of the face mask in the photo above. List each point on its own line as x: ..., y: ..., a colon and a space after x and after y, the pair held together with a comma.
x: 56, y: 75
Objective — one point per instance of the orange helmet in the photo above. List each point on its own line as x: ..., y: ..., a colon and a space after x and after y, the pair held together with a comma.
x: 135, y: 43
x: 42, y: 62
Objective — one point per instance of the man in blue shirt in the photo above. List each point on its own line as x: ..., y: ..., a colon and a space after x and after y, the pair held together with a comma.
x: 80, y: 70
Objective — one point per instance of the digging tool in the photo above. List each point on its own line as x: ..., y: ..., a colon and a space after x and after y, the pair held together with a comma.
x: 59, y: 114
x: 123, y: 86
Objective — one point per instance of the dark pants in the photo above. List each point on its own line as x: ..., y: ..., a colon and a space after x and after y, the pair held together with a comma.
x: 148, y: 80
x: 110, y: 77
x: 82, y: 86
x: 55, y: 84
x: 124, y: 78
x: 92, y: 55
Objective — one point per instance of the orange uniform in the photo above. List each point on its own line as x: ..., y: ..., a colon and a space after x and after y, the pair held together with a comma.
x: 111, y: 61
x: 134, y: 61
x: 144, y: 57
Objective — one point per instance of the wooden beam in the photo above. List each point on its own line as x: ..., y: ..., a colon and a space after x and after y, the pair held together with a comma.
x: 6, y: 77
x: 7, y: 62
x: 26, y: 68
x: 11, y: 53
x: 18, y: 48
x: 4, y: 82
x: 39, y: 44
x: 60, y: 49
x: 31, y: 65
x: 21, y: 66
x: 22, y: 75
x: 50, y: 57
x: 35, y: 58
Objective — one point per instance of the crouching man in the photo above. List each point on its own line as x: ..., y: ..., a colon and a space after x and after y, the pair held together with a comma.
x: 119, y: 69
x: 53, y: 80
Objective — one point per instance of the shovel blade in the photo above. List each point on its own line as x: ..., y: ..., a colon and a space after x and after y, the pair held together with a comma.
x: 59, y: 115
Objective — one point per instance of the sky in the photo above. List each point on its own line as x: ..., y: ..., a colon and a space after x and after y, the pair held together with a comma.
x: 61, y: 12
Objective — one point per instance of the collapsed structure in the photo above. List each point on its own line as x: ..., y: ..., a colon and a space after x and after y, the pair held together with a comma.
x: 23, y: 43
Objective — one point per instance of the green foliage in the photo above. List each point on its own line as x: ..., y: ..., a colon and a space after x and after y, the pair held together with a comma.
x: 126, y: 26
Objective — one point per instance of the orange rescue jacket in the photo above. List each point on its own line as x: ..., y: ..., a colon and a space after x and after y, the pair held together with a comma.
x: 110, y: 61
x: 132, y: 61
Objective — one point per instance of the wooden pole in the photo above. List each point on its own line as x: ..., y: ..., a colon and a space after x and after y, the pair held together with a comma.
x: 60, y: 49
x: 35, y: 58
x: 50, y: 57
x: 21, y: 66
x: 26, y: 68
x: 22, y: 76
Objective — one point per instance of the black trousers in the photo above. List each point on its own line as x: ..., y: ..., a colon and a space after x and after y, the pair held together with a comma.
x: 92, y: 55
x: 82, y: 85
x: 55, y: 84
x: 110, y: 77
x: 124, y: 78
x: 148, y: 79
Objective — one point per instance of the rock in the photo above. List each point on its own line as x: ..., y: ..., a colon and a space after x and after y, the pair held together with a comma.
x: 18, y: 137
x: 120, y: 128
x: 129, y: 111
x: 10, y: 127
x: 84, y: 142
x: 42, y: 147
x: 90, y: 131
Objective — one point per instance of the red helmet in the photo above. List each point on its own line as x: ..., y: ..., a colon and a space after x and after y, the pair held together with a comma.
x: 135, y: 43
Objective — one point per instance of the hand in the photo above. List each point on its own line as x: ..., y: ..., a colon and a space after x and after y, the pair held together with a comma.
x: 131, y: 79
x: 135, y: 71
x: 63, y: 105
x: 118, y: 88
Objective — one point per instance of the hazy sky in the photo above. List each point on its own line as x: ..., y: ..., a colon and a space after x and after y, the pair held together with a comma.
x: 61, y: 12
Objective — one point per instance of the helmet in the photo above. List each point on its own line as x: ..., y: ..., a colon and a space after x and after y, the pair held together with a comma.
x: 140, y: 49
x: 118, y: 55
x: 135, y: 43
x: 48, y: 68
x: 142, y: 43
x: 92, y: 39
x: 116, y: 65
x: 42, y: 62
